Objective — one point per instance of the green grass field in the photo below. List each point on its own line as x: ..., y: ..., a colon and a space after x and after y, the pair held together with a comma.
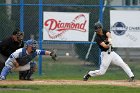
x: 67, y: 89
x: 73, y: 70
x: 76, y: 72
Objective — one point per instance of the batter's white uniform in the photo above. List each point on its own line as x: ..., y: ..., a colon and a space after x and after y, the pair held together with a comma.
x: 107, y: 59
x: 114, y: 58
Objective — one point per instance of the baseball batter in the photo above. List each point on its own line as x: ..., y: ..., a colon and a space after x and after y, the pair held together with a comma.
x: 21, y: 60
x: 103, y: 39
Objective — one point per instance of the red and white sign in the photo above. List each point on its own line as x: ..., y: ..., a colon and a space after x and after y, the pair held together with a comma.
x: 65, y: 26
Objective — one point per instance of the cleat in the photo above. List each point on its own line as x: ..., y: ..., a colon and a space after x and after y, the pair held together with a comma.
x: 132, y: 79
x: 86, y: 77
x: 30, y: 79
x: 2, y: 78
x: 27, y: 79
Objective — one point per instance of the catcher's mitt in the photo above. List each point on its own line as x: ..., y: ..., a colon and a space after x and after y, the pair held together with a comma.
x: 53, y: 55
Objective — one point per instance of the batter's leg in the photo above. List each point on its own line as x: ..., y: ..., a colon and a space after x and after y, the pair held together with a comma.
x: 105, y: 62
x: 119, y: 62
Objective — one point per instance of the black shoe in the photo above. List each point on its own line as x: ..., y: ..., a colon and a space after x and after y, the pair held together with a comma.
x: 132, y: 79
x: 29, y: 78
x: 21, y: 78
x: 86, y: 77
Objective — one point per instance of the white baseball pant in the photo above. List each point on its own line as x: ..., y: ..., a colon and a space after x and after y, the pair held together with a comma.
x: 114, y: 58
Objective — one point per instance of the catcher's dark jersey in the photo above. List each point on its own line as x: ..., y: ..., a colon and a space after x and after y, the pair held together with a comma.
x: 8, y: 46
x: 99, y: 39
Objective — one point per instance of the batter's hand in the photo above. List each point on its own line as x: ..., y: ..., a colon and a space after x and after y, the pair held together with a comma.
x: 53, y: 55
x: 110, y: 40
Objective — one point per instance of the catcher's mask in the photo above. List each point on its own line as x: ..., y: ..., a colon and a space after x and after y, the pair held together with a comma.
x: 97, y: 26
x: 32, y: 43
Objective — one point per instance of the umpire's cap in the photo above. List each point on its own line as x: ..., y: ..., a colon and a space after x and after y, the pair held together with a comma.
x: 97, y: 25
x: 16, y: 31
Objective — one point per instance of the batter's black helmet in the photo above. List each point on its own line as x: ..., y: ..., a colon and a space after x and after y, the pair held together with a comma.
x: 98, y: 25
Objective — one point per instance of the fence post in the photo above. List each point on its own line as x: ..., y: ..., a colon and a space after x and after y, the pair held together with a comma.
x: 101, y: 20
x: 21, y: 15
x: 40, y: 37
x: 101, y: 11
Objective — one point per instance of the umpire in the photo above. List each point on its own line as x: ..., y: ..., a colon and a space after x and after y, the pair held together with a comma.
x: 9, y: 45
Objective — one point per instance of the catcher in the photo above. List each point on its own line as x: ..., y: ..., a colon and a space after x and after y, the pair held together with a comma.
x: 21, y: 60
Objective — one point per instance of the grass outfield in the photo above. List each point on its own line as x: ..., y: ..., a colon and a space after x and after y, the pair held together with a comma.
x: 67, y: 89
x: 73, y: 70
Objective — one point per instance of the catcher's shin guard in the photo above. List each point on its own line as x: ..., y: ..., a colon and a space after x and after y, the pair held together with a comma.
x: 5, y: 72
x: 22, y: 75
x: 27, y: 75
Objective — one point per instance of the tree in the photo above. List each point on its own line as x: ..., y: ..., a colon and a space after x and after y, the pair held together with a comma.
x: 7, y: 25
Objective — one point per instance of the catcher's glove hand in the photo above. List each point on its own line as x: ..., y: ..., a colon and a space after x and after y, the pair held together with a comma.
x: 53, y: 55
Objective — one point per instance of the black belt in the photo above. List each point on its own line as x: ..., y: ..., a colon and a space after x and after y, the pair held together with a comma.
x: 106, y: 50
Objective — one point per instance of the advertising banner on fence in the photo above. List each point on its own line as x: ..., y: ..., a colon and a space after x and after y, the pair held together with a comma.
x: 65, y: 26
x: 125, y: 28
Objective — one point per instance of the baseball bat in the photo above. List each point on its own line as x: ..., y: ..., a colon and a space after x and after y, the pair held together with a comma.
x: 93, y: 38
x: 109, y: 50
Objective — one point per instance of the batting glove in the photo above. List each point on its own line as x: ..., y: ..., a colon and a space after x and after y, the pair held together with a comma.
x: 110, y: 40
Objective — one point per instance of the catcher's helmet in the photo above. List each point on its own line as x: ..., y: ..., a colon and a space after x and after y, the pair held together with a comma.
x: 32, y: 43
x: 97, y: 25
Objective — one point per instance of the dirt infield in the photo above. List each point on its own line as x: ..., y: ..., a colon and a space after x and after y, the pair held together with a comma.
x: 72, y: 82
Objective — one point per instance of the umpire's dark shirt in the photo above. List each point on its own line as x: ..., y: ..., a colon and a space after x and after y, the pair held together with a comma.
x: 99, y: 39
x: 8, y: 46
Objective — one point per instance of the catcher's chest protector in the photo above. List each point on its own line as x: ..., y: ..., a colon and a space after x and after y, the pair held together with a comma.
x: 24, y: 58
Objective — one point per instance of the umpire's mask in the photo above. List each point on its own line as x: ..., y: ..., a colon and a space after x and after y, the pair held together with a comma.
x: 20, y: 36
